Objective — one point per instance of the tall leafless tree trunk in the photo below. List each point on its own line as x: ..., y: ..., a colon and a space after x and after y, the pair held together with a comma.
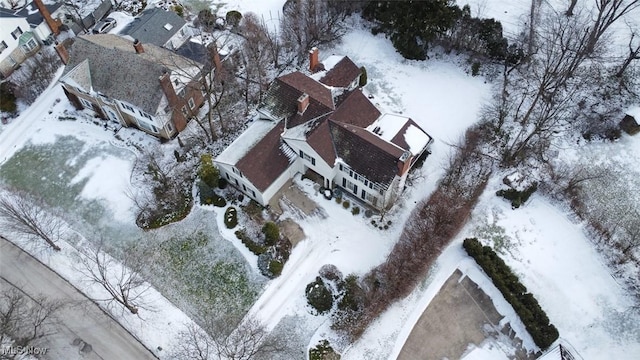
x: 26, y: 216
x: 572, y: 7
x: 634, y: 54
x: 121, y: 279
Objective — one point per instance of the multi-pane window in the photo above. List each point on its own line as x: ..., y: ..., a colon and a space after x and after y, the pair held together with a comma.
x: 192, y: 103
x: 307, y: 157
x: 30, y: 45
x: 144, y: 114
x: 17, y: 32
x: 184, y: 111
x: 127, y: 107
x: 86, y: 103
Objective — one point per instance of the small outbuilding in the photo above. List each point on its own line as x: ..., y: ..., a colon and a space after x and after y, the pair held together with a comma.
x: 630, y: 123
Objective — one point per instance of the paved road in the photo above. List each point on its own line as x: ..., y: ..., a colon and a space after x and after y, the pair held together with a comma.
x: 82, y: 319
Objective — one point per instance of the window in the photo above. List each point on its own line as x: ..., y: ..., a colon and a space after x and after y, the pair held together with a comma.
x: 17, y: 32
x: 355, y: 189
x: 227, y: 174
x: 340, y: 166
x: 307, y: 157
x: 254, y: 193
x: 86, y: 103
x: 184, y: 111
x: 144, y: 126
x: 244, y: 187
x: 3, y: 46
x: 30, y: 45
x: 366, y: 182
x: 181, y: 92
x: 237, y: 172
x: 192, y: 103
x: 169, y: 126
x: 127, y: 107
x: 363, y: 194
x: 144, y: 114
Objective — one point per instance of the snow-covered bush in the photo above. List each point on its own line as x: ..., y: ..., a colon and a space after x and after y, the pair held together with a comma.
x: 250, y: 244
x: 319, y: 296
x: 323, y: 351
x: 231, y: 217
x: 330, y: 272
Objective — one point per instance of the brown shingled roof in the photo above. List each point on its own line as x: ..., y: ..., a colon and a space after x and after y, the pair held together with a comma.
x: 320, y: 140
x: 399, y: 138
x: 365, y: 152
x: 356, y: 110
x: 265, y: 161
x: 342, y: 74
x: 305, y: 84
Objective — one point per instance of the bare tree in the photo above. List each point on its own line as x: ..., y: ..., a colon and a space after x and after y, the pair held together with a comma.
x: 607, y: 13
x: 309, y: 23
x: 24, y: 320
x: 634, y: 53
x: 26, y: 216
x: 35, y: 74
x: 223, y: 337
x: 121, y: 279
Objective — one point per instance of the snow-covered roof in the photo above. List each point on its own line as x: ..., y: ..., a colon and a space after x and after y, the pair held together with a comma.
x: 635, y: 112
x: 388, y: 125
x: 416, y: 139
x: 245, y: 142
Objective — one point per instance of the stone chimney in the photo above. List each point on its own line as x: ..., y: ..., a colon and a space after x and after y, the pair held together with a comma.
x: 54, y: 24
x: 62, y: 52
x: 303, y: 103
x: 138, y: 46
x: 404, y: 163
x: 313, y: 59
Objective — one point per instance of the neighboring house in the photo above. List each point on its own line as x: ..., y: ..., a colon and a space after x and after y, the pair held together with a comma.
x: 24, y: 31
x: 133, y: 83
x: 324, y: 125
x: 159, y: 27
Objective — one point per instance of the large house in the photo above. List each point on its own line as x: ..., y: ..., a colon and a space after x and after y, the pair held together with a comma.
x: 159, y: 27
x: 132, y: 83
x: 25, y: 30
x: 321, y: 123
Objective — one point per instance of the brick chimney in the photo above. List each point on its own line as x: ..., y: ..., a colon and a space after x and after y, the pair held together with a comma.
x: 217, y: 63
x: 175, y: 103
x: 54, y: 24
x: 62, y: 52
x: 313, y: 59
x: 404, y: 163
x: 138, y: 46
x: 303, y: 103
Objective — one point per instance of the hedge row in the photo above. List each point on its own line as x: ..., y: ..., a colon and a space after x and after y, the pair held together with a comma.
x: 525, y: 305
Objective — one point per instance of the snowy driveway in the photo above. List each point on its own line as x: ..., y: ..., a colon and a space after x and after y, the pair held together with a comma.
x: 83, y: 320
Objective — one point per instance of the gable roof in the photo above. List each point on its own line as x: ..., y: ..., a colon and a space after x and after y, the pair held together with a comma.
x: 281, y: 100
x: 8, y: 13
x: 34, y: 18
x: 154, y: 26
x: 356, y: 110
x: 365, y: 152
x: 118, y: 72
x: 341, y: 74
x: 266, y: 161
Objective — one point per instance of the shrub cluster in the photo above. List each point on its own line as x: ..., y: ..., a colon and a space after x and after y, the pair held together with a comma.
x: 516, y: 197
x: 355, y: 210
x: 323, y: 351
x: 319, y: 296
x: 250, y: 244
x: 525, y: 305
x: 271, y: 233
x: 275, y: 267
x: 231, y: 217
x: 346, y: 204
